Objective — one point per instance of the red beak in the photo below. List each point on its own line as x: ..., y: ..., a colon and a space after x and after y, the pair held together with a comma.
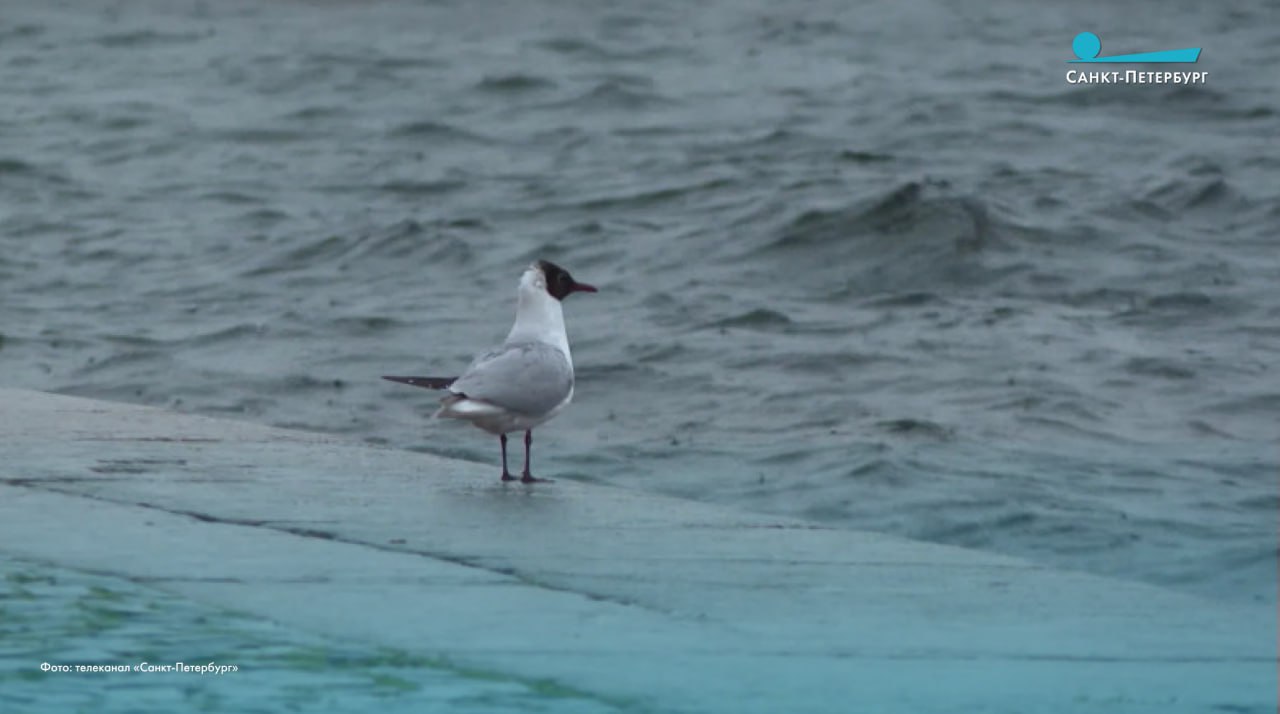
x: 583, y: 288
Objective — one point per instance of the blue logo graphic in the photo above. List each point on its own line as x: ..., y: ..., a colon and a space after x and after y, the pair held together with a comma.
x: 1087, y: 45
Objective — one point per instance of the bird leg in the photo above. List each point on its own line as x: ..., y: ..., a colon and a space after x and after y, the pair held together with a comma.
x: 506, y: 476
x: 527, y: 477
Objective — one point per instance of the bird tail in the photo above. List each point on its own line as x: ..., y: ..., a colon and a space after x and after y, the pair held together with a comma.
x: 459, y: 406
x: 424, y: 382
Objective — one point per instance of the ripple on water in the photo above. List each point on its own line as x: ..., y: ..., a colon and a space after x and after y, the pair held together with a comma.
x: 757, y: 319
x: 514, y: 83
x: 143, y: 39
x: 1160, y: 367
x: 439, y: 132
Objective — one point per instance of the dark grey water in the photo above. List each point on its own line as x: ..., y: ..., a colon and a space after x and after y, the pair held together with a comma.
x: 877, y: 265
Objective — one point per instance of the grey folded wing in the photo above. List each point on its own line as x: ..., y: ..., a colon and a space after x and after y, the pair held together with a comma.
x: 530, y: 378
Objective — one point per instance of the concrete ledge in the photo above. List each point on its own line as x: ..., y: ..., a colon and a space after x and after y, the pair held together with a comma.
x: 646, y: 603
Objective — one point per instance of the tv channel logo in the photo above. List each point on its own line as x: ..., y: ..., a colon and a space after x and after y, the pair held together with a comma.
x: 1088, y: 46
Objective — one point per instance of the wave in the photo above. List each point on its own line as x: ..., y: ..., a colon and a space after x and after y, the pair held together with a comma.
x: 909, y: 240
x: 758, y: 319
x: 437, y: 131
x: 150, y: 38
x: 426, y: 244
x: 622, y: 92
x: 514, y: 83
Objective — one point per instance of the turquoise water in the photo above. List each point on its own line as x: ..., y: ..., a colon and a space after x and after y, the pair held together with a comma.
x: 66, y: 617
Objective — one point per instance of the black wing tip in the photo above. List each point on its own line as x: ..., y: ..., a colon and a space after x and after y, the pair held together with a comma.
x: 424, y: 382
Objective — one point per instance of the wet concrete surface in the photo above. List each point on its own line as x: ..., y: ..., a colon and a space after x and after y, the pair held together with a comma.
x: 589, y: 596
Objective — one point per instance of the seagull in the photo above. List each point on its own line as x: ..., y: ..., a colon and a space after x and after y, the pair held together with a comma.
x: 525, y: 381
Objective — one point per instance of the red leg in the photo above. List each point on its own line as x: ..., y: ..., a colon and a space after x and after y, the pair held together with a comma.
x: 527, y: 477
x: 506, y: 476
